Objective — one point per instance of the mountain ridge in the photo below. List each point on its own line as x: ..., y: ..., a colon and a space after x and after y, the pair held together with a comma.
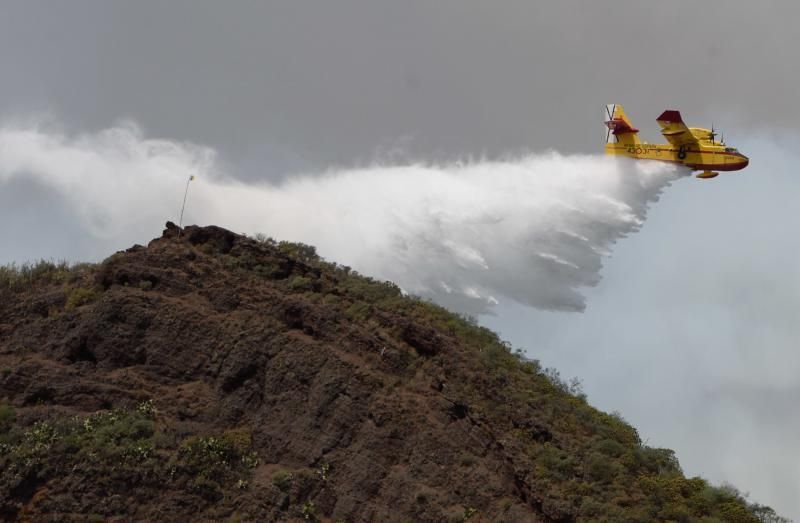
x: 223, y: 377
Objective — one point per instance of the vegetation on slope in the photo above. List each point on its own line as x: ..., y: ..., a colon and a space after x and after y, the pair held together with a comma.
x: 248, y: 378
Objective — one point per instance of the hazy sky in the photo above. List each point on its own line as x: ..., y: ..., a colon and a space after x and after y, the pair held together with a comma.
x: 692, y: 333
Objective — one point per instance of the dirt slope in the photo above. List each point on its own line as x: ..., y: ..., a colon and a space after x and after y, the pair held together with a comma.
x: 213, y: 376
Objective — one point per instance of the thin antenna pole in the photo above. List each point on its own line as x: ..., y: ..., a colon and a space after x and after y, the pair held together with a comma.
x: 183, y: 206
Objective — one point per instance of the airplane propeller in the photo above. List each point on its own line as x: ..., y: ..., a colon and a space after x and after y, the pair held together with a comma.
x: 712, y: 134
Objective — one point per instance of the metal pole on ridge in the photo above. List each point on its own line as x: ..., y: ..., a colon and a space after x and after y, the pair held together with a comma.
x: 183, y: 206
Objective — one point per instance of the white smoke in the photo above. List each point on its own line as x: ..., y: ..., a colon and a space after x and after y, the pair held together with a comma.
x: 533, y: 229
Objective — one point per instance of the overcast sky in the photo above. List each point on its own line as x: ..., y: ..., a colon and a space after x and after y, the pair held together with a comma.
x: 692, y: 333
x: 279, y: 86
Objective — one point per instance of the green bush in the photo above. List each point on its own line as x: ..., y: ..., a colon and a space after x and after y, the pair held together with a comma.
x: 660, y: 461
x: 300, y: 251
x: 601, y: 469
x: 283, y: 480
x: 265, y: 240
x: 370, y: 290
x: 215, y: 462
x: 358, y: 311
x: 80, y: 296
x: 7, y: 418
x: 300, y: 284
x: 118, y: 441
x: 17, y: 278
x: 269, y: 271
x: 309, y: 511
x: 609, y: 447
x: 121, y: 447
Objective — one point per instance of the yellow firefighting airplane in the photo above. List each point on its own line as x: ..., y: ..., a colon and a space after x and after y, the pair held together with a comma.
x: 691, y: 146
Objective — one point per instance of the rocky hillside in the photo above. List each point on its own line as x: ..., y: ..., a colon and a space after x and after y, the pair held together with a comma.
x: 211, y: 376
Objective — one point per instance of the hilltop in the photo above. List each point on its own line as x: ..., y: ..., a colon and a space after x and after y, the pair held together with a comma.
x: 210, y: 375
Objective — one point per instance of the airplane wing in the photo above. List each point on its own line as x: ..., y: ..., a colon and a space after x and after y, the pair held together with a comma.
x: 674, y: 130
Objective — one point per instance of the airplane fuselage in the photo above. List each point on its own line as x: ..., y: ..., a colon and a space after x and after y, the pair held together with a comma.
x: 700, y: 156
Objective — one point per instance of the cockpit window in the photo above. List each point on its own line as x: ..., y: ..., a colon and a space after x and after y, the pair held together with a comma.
x: 731, y: 150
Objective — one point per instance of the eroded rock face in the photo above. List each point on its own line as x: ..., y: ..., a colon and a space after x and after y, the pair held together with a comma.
x: 208, y: 326
x: 349, y: 401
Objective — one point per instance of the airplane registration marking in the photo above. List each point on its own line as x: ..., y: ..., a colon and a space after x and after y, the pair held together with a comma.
x: 644, y: 150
